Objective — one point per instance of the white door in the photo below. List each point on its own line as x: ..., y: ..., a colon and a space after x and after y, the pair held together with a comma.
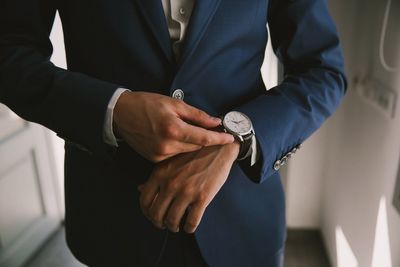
x: 29, y: 206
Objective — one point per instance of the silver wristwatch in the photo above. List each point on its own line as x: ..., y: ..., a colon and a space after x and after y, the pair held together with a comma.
x: 240, y: 126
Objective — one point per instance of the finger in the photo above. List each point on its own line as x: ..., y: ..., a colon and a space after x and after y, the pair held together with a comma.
x: 175, y: 214
x: 148, y: 194
x: 199, y: 136
x: 178, y: 147
x: 197, y: 116
x: 193, y: 219
x: 159, y: 208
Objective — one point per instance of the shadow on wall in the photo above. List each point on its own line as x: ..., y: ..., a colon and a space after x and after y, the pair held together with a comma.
x: 381, y: 249
x: 360, y: 225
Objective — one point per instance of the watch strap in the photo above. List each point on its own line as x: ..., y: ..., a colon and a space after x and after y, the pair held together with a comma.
x: 245, y: 147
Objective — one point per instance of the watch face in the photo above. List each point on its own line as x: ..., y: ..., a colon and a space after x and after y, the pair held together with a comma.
x: 237, y: 122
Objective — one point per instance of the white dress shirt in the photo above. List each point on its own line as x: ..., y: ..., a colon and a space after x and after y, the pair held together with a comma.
x: 177, y: 14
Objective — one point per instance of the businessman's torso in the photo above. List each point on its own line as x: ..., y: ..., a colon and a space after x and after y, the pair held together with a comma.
x: 127, y: 43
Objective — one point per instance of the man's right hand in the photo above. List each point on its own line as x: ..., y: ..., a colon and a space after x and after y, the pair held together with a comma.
x: 159, y: 127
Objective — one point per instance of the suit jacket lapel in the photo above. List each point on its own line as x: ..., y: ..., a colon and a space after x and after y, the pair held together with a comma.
x: 153, y: 13
x: 203, y: 13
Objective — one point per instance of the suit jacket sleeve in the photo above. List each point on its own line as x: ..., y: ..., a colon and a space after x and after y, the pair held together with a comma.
x: 71, y: 104
x: 305, y: 40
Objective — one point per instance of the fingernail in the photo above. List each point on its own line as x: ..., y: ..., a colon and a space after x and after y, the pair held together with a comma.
x: 216, y: 119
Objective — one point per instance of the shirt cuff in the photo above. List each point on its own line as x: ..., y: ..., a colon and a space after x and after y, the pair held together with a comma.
x: 108, y: 131
x: 251, y: 165
x: 254, y: 156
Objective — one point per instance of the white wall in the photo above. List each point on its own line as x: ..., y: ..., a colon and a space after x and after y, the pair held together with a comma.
x: 304, y: 182
x: 354, y: 158
x: 363, y: 151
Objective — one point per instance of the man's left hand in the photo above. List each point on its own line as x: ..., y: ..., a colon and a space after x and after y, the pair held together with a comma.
x: 189, y: 182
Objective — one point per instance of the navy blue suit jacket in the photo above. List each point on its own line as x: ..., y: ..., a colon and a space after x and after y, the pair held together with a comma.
x: 125, y: 43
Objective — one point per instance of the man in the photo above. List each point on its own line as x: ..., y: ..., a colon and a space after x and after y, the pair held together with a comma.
x: 148, y: 161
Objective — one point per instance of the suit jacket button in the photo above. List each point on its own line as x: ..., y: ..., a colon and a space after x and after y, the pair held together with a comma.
x: 178, y: 94
x: 277, y: 165
x: 284, y: 160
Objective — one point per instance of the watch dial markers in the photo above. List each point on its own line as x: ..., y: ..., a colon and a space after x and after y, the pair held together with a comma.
x: 237, y: 122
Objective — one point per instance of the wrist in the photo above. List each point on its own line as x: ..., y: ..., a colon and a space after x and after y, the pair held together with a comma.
x: 122, y: 102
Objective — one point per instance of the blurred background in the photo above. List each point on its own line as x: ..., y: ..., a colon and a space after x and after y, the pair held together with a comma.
x: 342, y: 190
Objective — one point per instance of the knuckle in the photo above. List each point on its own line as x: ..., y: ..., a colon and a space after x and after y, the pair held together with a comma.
x: 179, y: 103
x: 165, y: 127
x: 172, y: 186
x: 202, y: 198
x: 206, y: 140
x: 171, y: 131
x: 164, y: 105
x: 155, y: 158
x: 161, y: 149
x: 187, y: 192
